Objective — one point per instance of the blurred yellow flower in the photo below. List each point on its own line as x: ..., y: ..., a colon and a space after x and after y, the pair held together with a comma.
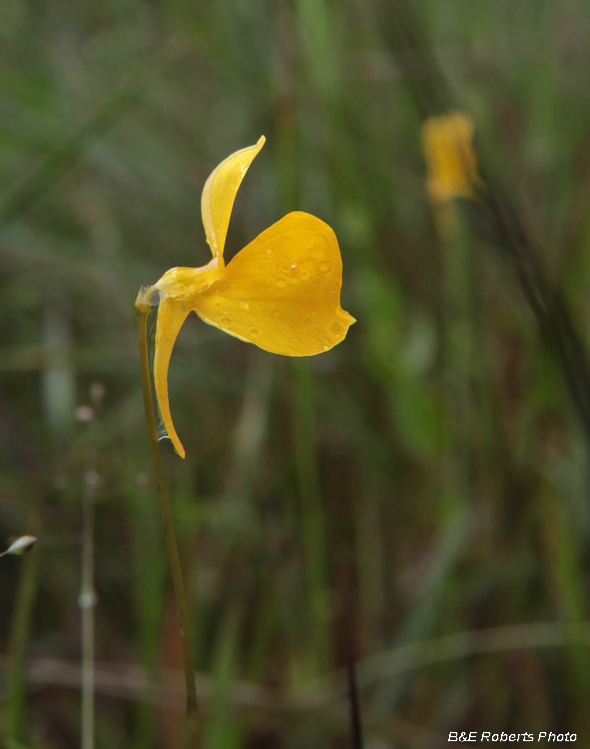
x: 280, y: 292
x: 450, y: 159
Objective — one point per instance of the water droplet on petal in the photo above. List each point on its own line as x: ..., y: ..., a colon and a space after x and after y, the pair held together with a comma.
x: 293, y: 265
x: 323, y: 265
x: 281, y: 281
x: 269, y: 251
x: 225, y: 321
x: 254, y: 331
x: 224, y: 311
x: 244, y: 305
x: 326, y: 348
x: 304, y: 274
x: 336, y: 328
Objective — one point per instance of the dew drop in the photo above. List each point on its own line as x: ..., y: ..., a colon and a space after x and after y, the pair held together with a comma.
x: 224, y: 311
x: 281, y: 281
x: 336, y: 328
x: 326, y: 348
x: 254, y: 331
x: 304, y: 274
x: 244, y: 305
x: 293, y: 265
x: 269, y: 251
x: 323, y: 265
x: 225, y: 321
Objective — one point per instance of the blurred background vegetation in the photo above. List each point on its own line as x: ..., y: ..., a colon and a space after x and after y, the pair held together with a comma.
x: 416, y: 498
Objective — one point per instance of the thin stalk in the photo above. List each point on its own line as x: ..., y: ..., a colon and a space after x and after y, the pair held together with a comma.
x: 17, y: 645
x: 356, y: 730
x: 312, y: 517
x: 143, y: 306
x: 149, y: 592
x: 87, y: 602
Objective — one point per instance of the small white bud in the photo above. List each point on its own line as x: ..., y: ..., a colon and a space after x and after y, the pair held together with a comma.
x: 21, y: 546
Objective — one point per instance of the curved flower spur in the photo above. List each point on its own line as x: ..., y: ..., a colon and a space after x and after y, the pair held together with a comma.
x: 280, y: 292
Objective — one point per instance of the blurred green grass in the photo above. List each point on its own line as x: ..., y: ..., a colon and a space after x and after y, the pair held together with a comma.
x: 427, y: 477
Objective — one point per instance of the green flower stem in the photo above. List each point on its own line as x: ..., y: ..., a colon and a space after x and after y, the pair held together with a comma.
x: 143, y: 306
x: 15, y: 718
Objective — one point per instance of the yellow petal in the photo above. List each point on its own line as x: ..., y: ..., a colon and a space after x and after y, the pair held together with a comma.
x: 282, y: 291
x: 176, y: 290
x: 450, y: 159
x: 219, y: 194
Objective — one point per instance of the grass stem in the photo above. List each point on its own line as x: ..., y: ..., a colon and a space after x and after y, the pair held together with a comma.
x: 143, y: 306
x: 14, y: 727
x: 87, y: 602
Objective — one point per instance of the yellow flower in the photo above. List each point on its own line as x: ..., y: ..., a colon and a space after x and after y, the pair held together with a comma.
x: 450, y: 160
x: 281, y: 291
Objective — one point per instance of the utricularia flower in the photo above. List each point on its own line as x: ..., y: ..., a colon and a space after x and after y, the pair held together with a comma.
x: 450, y: 159
x: 280, y: 292
x: 451, y: 164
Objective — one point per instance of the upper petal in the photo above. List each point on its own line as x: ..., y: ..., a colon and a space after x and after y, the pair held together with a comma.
x: 219, y: 194
x: 282, y: 291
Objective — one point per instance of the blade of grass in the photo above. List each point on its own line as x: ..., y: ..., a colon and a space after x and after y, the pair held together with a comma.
x: 17, y: 646
x: 32, y: 188
x: 354, y: 703
x: 224, y: 733
x: 424, y: 613
x: 567, y: 581
x: 149, y: 595
x: 312, y: 516
x: 87, y: 602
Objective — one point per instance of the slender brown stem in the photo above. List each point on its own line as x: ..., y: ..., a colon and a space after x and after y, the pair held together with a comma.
x: 354, y: 703
x: 142, y: 306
